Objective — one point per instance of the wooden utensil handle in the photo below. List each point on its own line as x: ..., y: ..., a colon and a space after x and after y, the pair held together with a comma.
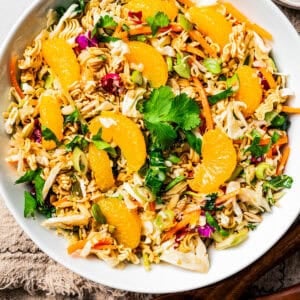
x: 235, y: 286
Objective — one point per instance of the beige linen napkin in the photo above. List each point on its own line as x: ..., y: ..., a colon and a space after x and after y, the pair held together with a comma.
x: 23, y: 267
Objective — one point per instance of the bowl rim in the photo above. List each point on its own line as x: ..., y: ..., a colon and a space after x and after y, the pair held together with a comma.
x: 4, y: 47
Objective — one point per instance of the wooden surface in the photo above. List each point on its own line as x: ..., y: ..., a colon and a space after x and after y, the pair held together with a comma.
x: 235, y: 286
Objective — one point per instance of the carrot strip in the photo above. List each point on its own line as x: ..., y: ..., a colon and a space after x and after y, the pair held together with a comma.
x: 290, y: 110
x: 152, y: 205
x: 284, y: 157
x: 243, y: 19
x: 194, y: 50
x: 226, y: 197
x: 76, y: 246
x: 197, y: 36
x: 108, y: 241
x: 205, y: 104
x: 281, y: 141
x: 13, y: 75
x: 269, y: 77
x: 190, y: 218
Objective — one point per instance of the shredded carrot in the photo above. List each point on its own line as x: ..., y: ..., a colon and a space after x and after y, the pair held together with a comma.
x: 205, y: 104
x: 284, y: 157
x: 197, y: 36
x: 194, y: 50
x: 190, y: 218
x: 152, y: 205
x: 13, y: 75
x: 281, y: 141
x: 243, y: 19
x: 76, y: 246
x: 290, y: 110
x: 269, y: 77
x: 108, y: 241
x: 62, y: 203
x: 226, y: 197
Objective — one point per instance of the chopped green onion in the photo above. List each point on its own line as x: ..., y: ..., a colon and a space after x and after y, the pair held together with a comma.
x: 184, y: 22
x: 260, y: 170
x: 174, y: 182
x: 97, y: 214
x: 237, y: 171
x: 233, y: 240
x: 137, y: 77
x: 80, y: 161
x: 173, y: 159
x: 170, y: 63
x: 233, y: 82
x: 182, y: 68
x: 212, y: 65
x: 220, y: 96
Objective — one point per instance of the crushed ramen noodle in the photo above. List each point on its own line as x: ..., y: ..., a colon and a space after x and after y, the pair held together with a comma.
x: 147, y: 131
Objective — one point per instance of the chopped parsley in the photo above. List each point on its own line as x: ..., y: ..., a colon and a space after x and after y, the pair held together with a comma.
x: 77, y: 141
x: 102, y: 145
x: 210, y: 203
x: 256, y: 149
x: 157, y: 21
x: 49, y: 135
x: 165, y: 113
x: 279, y: 182
x: 104, y: 29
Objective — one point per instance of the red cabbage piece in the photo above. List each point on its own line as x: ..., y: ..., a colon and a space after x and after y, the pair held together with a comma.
x: 135, y: 17
x: 206, y: 231
x: 37, y: 132
x: 112, y: 83
x: 263, y: 81
x: 86, y: 40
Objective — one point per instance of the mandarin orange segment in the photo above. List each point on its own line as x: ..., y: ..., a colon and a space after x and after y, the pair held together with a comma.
x: 127, y: 222
x: 100, y: 164
x: 124, y: 133
x: 155, y: 68
x: 51, y: 118
x: 211, y: 23
x: 62, y: 60
x: 250, y: 90
x: 150, y: 7
x: 219, y: 161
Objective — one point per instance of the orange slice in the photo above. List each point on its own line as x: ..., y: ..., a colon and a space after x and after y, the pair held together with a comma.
x: 155, y: 68
x: 149, y: 8
x: 219, y: 161
x: 62, y: 60
x: 100, y: 164
x: 51, y: 118
x: 250, y: 90
x: 124, y: 133
x: 211, y: 23
x: 127, y: 222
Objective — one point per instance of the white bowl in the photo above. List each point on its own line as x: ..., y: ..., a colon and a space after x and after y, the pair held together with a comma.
x: 289, y: 3
x: 164, y: 278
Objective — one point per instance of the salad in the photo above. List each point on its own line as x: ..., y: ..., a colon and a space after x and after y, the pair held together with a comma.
x: 147, y: 131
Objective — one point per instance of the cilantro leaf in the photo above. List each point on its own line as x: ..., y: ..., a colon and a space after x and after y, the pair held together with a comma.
x: 107, y: 39
x: 156, y: 173
x: 106, y: 22
x: 256, y: 149
x: 279, y: 182
x: 157, y: 21
x: 39, y: 183
x: 163, y: 134
x: 49, y: 135
x: 77, y: 141
x: 213, y: 222
x: 211, y: 201
x: 163, y: 111
x: 30, y: 205
x: 181, y: 105
x: 28, y: 176
x: 81, y: 6
x: 194, y: 142
x: 73, y: 117
x: 102, y: 145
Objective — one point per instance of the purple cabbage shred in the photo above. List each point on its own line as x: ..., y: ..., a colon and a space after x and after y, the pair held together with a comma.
x: 85, y: 40
x: 206, y: 231
x: 112, y: 83
x: 37, y: 132
x: 136, y: 17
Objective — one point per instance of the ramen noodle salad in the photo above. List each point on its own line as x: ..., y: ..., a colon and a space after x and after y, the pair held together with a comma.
x: 147, y: 131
